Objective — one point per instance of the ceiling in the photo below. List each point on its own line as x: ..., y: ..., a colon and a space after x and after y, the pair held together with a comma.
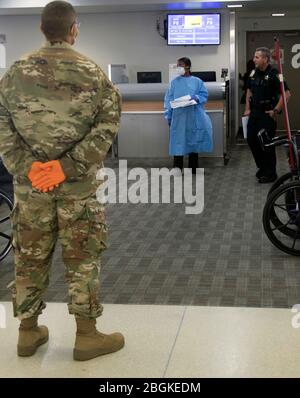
x: 9, y: 7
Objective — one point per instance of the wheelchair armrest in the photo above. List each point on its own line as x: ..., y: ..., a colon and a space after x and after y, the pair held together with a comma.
x: 277, y: 142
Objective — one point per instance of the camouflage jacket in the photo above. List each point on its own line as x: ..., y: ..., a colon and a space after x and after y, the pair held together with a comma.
x: 56, y: 104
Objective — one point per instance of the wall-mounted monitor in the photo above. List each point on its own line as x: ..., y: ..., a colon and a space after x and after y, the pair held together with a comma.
x: 206, y: 76
x: 149, y: 77
x: 194, y: 29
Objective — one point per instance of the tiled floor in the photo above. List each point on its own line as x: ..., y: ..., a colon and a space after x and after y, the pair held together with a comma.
x: 164, y: 341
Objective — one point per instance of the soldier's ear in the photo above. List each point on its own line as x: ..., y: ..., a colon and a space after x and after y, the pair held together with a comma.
x: 74, y: 30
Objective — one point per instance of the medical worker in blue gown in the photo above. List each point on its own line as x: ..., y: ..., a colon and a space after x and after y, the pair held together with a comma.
x: 190, y: 126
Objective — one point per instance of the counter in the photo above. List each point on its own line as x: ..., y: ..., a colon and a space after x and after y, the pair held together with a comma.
x: 144, y: 133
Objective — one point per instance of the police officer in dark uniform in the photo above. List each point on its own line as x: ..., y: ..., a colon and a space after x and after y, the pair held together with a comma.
x: 263, y: 103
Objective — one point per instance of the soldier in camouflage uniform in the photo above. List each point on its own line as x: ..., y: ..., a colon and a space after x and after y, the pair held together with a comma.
x: 58, y: 105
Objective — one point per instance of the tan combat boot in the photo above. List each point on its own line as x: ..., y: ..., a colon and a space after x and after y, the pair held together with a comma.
x: 90, y: 343
x: 31, y: 336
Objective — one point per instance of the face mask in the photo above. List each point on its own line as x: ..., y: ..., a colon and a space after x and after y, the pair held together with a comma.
x: 180, y: 70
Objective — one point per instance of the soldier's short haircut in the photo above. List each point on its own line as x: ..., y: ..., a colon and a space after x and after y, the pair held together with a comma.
x: 57, y: 20
x: 265, y: 52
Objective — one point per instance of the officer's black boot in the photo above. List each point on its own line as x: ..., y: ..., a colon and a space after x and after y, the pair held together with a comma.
x: 267, y: 179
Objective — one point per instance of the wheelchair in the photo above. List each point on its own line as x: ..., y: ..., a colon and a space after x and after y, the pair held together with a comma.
x: 281, y: 214
x: 6, y: 205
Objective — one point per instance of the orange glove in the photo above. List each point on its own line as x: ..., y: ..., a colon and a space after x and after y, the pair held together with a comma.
x: 35, y: 170
x: 51, y: 176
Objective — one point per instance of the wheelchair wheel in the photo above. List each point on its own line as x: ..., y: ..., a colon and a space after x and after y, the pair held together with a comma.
x: 6, y: 205
x: 288, y: 177
x: 283, y: 229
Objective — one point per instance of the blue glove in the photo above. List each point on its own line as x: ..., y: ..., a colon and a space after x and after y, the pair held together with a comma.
x: 195, y: 98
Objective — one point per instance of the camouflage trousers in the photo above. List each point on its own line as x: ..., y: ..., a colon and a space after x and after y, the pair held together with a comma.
x: 72, y: 215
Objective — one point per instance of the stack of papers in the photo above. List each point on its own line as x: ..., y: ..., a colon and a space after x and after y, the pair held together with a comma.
x: 245, y: 120
x: 181, y: 102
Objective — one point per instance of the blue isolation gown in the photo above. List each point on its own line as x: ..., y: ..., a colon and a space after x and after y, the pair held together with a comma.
x: 191, y: 128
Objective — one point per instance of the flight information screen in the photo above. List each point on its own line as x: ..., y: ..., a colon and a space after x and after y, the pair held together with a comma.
x: 193, y: 29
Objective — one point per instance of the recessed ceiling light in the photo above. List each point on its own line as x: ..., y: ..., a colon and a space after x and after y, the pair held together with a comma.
x: 235, y: 5
x: 278, y: 15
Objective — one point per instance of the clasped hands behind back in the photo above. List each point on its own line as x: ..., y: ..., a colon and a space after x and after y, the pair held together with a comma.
x: 46, y: 176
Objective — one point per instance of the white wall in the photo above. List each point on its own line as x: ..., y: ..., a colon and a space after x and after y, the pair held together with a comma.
x: 129, y: 38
